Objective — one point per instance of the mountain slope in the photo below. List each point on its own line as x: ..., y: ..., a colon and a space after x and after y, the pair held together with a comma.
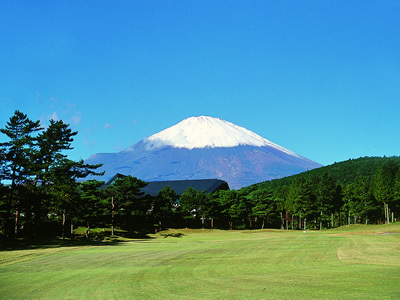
x: 203, y: 148
x: 344, y: 172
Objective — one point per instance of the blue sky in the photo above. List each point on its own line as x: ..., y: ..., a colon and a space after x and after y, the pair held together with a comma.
x: 321, y: 78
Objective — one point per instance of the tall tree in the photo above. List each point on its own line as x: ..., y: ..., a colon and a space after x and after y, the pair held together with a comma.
x: 126, y: 198
x: 367, y: 206
x: 163, y: 205
x: 193, y: 204
x: 263, y: 205
x: 284, y: 206
x: 232, y: 206
x: 17, y: 154
x: 56, y: 173
x: 304, y: 201
x: 325, y: 194
x: 57, y: 138
x: 93, y: 202
x: 384, y: 185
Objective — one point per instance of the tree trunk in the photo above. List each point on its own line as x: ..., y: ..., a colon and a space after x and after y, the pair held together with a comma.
x: 386, y: 207
x: 300, y: 225
x: 263, y: 221
x: 112, y: 216
x: 88, y: 231
x: 320, y: 221
x: 63, y: 224
x: 16, y: 222
x: 212, y: 222
x: 305, y: 224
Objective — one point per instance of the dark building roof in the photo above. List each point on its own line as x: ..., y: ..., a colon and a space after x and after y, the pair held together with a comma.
x: 112, y: 179
x: 179, y: 186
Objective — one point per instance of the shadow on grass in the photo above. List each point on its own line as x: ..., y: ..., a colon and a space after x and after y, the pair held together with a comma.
x: 177, y: 235
x: 76, y: 240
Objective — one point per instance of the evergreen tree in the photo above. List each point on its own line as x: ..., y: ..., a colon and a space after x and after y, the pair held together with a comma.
x: 93, y: 203
x: 163, y: 205
x: 263, y: 205
x: 284, y: 207
x: 56, y: 173
x: 232, y: 206
x: 193, y: 204
x: 126, y: 198
x: 53, y: 142
x: 304, y: 201
x: 384, y: 185
x: 17, y: 155
x: 325, y: 194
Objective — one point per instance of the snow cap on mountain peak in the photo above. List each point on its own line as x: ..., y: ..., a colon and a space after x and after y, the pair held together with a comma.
x: 208, y: 132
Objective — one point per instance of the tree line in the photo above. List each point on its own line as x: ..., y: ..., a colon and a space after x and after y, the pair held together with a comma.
x: 315, y: 202
x: 38, y: 181
x: 42, y: 191
x: 364, y: 190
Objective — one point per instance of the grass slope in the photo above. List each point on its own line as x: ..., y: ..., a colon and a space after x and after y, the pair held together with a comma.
x: 353, y: 263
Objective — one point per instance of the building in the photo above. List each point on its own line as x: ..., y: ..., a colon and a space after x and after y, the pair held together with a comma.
x: 179, y: 186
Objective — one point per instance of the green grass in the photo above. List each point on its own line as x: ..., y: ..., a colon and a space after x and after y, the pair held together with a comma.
x: 357, y: 262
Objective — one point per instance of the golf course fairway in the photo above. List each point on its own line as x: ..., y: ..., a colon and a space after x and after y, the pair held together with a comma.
x: 356, y: 262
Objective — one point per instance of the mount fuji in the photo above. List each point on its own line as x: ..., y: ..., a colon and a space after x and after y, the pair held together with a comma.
x: 204, y: 148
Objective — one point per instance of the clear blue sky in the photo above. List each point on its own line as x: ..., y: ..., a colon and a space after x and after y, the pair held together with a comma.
x: 321, y: 78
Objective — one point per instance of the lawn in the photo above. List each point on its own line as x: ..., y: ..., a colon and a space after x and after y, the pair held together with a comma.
x: 357, y: 262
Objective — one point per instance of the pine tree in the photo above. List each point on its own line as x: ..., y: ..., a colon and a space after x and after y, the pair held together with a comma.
x: 56, y: 173
x: 326, y: 192
x: 384, y: 185
x: 53, y: 142
x: 263, y: 205
x: 126, y: 198
x: 18, y: 153
x: 163, y: 204
x: 93, y: 202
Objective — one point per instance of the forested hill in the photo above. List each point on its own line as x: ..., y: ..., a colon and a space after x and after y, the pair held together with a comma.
x: 344, y: 172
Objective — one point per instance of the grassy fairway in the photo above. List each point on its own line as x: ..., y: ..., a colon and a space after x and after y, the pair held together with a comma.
x: 359, y: 263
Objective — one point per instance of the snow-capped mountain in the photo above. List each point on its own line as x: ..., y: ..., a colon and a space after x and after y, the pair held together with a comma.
x: 208, y: 132
x: 203, y: 148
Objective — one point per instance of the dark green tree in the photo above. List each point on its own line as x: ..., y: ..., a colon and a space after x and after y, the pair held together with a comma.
x: 193, y: 204
x: 126, y: 198
x: 325, y: 196
x: 17, y: 163
x: 232, y: 206
x: 93, y: 204
x: 367, y: 206
x: 303, y: 200
x: 384, y: 185
x: 284, y: 207
x: 56, y: 174
x: 62, y: 189
x: 56, y: 139
x: 163, y: 205
x: 264, y: 205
